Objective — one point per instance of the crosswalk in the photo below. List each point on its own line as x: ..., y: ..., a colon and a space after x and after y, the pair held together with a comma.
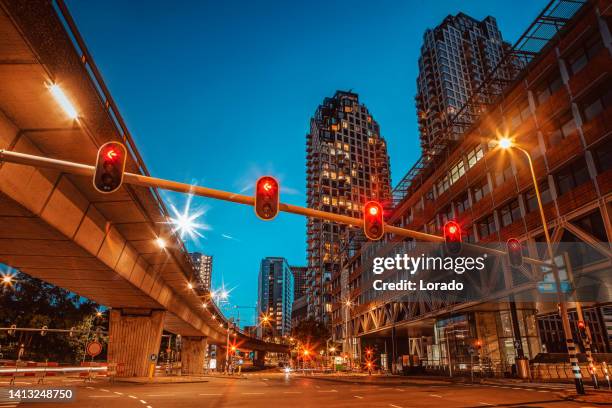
x: 5, y: 400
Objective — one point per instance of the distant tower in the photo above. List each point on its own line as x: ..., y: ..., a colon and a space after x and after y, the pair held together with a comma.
x: 274, y: 297
x: 299, y: 280
x: 456, y: 57
x: 347, y: 165
x: 203, y: 265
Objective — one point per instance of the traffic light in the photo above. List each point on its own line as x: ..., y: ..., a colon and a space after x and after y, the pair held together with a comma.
x: 582, y: 330
x: 266, y: 198
x: 515, y: 253
x: 452, y: 238
x: 478, y: 344
x: 110, y: 166
x: 43, y: 331
x: 12, y: 330
x: 373, y: 220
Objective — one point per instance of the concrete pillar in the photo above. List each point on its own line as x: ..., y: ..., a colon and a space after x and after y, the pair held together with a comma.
x: 260, y: 358
x: 134, y: 336
x: 221, y: 360
x: 193, y: 355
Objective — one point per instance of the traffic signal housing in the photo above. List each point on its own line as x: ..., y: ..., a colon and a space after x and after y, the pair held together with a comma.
x: 266, y: 198
x: 452, y: 238
x: 373, y: 220
x: 582, y: 330
x: 110, y: 166
x: 515, y: 252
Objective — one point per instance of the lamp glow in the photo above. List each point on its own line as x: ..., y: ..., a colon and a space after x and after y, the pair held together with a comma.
x: 505, y: 143
x: 161, y: 243
x: 63, y: 101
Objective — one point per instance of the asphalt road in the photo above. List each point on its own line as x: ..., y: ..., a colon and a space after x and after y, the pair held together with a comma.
x: 278, y: 390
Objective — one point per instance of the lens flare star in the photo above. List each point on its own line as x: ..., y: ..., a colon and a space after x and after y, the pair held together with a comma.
x: 186, y: 223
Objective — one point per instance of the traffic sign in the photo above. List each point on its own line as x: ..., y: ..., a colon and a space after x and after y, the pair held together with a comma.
x: 94, y: 348
x: 153, y: 357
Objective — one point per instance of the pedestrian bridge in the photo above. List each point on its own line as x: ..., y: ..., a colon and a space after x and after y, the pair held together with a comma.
x: 58, y: 228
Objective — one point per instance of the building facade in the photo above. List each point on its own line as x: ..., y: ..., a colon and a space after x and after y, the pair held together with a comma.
x: 274, y: 297
x: 299, y: 280
x: 346, y: 165
x: 203, y: 266
x: 456, y: 57
x: 559, y: 110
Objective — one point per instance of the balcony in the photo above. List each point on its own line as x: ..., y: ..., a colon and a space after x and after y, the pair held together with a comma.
x: 604, y: 181
x: 533, y: 220
x: 564, y: 151
x: 577, y: 197
x: 553, y: 105
x: 596, y: 69
x: 598, y: 127
x: 505, y: 191
x: 514, y: 230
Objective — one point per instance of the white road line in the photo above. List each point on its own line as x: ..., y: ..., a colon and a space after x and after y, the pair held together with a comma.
x: 118, y: 393
x: 399, y: 389
x: 252, y: 393
x: 327, y: 391
x: 486, y: 403
x: 435, y: 395
x: 210, y: 395
x: 89, y: 388
x: 132, y: 396
x: 102, y: 389
x: 292, y: 392
x: 148, y: 406
x: 358, y: 396
x: 543, y: 391
x: 143, y: 402
x: 394, y: 406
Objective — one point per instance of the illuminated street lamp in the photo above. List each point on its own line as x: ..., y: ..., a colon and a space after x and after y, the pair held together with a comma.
x: 506, y: 143
x: 63, y: 101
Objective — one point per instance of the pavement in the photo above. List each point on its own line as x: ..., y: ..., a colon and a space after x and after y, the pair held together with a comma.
x: 305, y: 391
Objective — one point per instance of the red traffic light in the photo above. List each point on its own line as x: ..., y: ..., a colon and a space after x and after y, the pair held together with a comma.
x: 266, y: 198
x: 110, y: 166
x: 581, y: 325
x: 373, y: 221
x: 452, y: 238
x: 515, y: 252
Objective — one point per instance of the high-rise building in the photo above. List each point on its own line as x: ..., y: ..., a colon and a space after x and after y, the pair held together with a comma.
x: 274, y: 297
x: 456, y: 57
x: 203, y: 265
x: 299, y: 280
x: 347, y: 165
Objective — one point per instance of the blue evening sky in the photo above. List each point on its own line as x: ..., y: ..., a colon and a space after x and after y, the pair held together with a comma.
x: 221, y: 92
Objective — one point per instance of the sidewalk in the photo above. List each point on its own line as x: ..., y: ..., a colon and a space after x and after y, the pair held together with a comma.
x: 183, y: 379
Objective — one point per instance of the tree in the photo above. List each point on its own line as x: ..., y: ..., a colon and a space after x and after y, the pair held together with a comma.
x: 311, y: 331
x: 30, y: 302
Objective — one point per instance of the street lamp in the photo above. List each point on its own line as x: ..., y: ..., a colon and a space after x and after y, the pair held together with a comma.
x: 506, y: 143
x: 348, y: 305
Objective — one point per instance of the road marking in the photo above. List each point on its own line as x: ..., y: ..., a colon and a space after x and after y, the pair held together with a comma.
x: 132, y: 396
x: 143, y: 402
x: 543, y: 391
x: 118, y: 393
x: 292, y: 392
x: 102, y: 389
x: 357, y: 396
x: 327, y: 391
x: 486, y: 403
x: 252, y: 393
x: 399, y: 389
x: 209, y: 395
x: 394, y: 406
x: 435, y: 395
x: 89, y: 388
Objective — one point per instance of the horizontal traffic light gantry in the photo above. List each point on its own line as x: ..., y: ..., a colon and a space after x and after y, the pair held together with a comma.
x: 110, y: 166
x: 373, y: 220
x: 266, y: 198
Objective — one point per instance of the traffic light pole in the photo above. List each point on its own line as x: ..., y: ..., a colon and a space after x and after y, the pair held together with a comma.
x: 154, y: 182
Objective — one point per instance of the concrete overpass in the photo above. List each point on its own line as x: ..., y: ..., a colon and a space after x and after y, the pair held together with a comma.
x: 56, y: 227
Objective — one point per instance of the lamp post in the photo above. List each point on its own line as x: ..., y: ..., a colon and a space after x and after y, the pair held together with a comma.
x: 348, y: 349
x: 506, y: 144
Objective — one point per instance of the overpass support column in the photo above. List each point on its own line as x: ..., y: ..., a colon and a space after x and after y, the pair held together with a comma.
x: 260, y: 358
x: 134, y: 336
x: 193, y: 355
